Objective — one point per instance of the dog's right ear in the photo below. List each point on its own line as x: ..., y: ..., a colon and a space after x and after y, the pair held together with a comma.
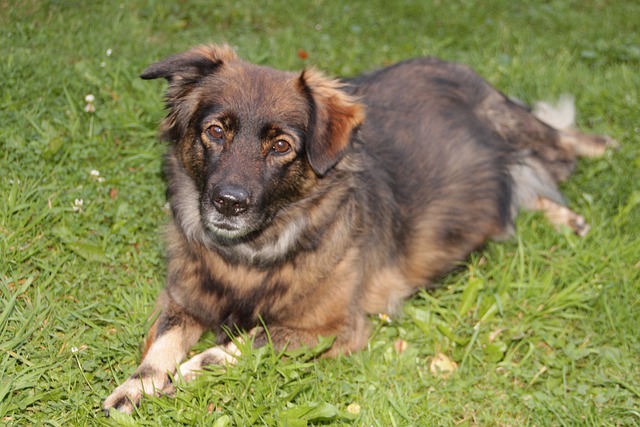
x: 190, y: 66
x: 183, y: 71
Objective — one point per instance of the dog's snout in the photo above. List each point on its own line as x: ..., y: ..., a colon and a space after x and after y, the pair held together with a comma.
x: 231, y: 201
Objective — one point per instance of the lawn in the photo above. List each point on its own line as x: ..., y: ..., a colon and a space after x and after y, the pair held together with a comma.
x: 544, y: 329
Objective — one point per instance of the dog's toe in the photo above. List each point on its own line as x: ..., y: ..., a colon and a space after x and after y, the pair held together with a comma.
x: 130, y: 393
x: 121, y: 402
x: 561, y: 216
x: 579, y: 225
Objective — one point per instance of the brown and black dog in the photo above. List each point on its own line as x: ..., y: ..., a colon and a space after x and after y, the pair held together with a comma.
x: 305, y: 203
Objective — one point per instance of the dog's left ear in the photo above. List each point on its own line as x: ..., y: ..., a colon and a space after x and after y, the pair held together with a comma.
x: 334, y: 115
x: 190, y: 66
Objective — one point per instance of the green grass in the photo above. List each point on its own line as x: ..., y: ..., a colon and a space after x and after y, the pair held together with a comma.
x: 544, y: 328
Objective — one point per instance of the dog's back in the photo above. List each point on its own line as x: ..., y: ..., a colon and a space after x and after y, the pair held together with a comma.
x: 460, y: 159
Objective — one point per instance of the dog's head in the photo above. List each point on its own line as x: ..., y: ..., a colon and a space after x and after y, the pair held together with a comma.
x: 249, y: 139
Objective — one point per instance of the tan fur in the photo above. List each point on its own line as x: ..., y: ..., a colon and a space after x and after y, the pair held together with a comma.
x: 561, y: 216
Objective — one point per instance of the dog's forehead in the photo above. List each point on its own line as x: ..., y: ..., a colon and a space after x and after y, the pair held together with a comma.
x: 257, y: 92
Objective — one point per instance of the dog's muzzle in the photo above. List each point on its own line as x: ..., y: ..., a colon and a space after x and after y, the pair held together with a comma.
x: 227, y: 212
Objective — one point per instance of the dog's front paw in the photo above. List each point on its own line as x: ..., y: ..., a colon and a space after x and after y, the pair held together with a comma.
x: 130, y: 393
x: 124, y: 398
x: 219, y: 355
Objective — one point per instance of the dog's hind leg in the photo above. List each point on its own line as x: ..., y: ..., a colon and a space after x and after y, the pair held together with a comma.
x: 561, y: 117
x: 535, y: 189
x: 546, y: 147
x: 560, y: 215
x: 545, y: 133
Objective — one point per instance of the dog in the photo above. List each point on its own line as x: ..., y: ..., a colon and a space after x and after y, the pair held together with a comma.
x: 302, y: 204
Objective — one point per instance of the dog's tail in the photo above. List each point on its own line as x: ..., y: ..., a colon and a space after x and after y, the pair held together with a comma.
x: 560, y: 115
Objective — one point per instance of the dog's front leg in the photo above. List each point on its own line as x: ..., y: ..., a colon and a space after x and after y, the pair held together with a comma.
x: 218, y: 355
x: 280, y: 337
x: 169, y: 340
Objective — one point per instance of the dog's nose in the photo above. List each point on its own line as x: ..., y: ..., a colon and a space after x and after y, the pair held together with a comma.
x: 231, y: 201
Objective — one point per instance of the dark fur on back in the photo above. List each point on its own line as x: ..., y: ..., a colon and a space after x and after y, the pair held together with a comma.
x: 304, y: 203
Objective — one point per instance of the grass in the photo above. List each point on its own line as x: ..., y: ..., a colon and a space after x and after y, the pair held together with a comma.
x: 544, y: 328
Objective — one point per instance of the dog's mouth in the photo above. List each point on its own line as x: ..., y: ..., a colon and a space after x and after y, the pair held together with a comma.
x: 231, y: 229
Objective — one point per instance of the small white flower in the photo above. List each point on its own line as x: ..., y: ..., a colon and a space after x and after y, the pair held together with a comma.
x: 74, y: 350
x: 103, y: 64
x: 109, y: 52
x: 77, y: 205
x: 384, y: 317
x: 89, y: 99
x: 96, y: 175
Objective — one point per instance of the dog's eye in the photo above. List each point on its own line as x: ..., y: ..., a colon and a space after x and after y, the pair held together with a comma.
x: 215, y: 132
x: 281, y: 146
